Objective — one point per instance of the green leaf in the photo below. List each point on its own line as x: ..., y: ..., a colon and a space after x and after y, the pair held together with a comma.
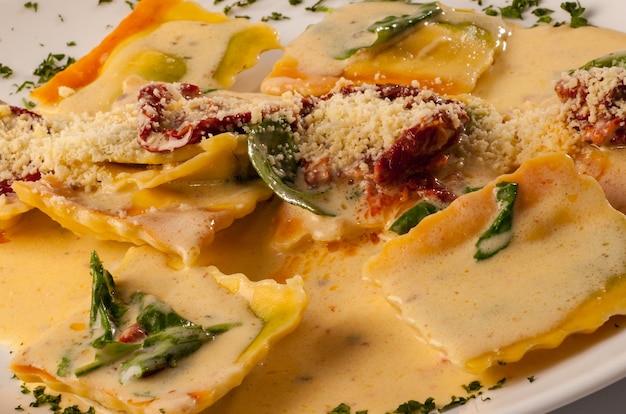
x: 391, y: 26
x: 499, y: 234
x: 517, y: 8
x: 162, y: 350
x: 108, y: 353
x: 106, y: 310
x: 271, y: 149
x: 171, y: 336
x: 341, y: 409
x: 412, y: 406
x: 156, y: 316
x: 575, y: 11
x: 413, y: 216
x: 612, y: 59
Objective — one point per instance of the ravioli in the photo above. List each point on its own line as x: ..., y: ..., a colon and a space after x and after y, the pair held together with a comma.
x: 563, y: 271
x: 175, y: 208
x: 442, y: 49
x: 258, y: 314
x: 158, y: 41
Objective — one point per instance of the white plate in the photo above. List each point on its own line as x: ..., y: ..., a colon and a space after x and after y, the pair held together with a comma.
x: 26, y: 38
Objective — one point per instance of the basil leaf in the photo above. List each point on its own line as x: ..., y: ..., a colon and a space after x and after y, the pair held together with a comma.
x: 413, y: 216
x: 500, y: 233
x: 271, y: 149
x: 391, y: 26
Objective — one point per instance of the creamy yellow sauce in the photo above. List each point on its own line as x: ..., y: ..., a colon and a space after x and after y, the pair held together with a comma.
x: 543, y: 276
x: 534, y: 59
x: 350, y: 347
x: 446, y: 53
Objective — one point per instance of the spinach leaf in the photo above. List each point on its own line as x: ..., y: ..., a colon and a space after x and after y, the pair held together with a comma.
x: 272, y: 150
x: 162, y: 350
x: 109, y: 352
x: 391, y: 26
x: 413, y: 216
x: 106, y: 310
x: 168, y: 337
x: 500, y: 233
x: 612, y: 59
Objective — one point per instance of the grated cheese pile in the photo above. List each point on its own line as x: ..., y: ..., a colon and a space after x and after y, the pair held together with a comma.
x: 350, y: 130
x: 502, y: 144
x: 25, y: 144
x: 599, y: 83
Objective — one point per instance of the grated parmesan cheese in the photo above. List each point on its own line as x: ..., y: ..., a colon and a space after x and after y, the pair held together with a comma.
x: 352, y: 130
x: 348, y: 131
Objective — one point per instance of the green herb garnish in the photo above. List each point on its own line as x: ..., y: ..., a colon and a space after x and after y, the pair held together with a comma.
x: 543, y: 15
x: 5, y: 71
x: 414, y: 407
x: 473, y: 389
x: 32, y: 5
x: 274, y: 16
x: 517, y: 8
x: 499, y: 234
x: 42, y: 399
x: 51, y: 65
x: 575, y: 11
x: 318, y: 7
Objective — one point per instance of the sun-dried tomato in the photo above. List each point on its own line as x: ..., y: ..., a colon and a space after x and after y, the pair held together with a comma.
x: 163, y: 130
x: 5, y: 185
x: 419, y: 148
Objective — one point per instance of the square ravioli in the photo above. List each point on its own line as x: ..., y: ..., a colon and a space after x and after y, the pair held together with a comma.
x: 484, y: 292
x: 227, y: 325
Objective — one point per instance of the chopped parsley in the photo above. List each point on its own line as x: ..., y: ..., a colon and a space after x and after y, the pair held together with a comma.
x: 543, y: 15
x: 274, y: 16
x: 238, y: 4
x: 519, y: 8
x: 575, y: 11
x: 5, y: 71
x: 25, y: 86
x: 318, y: 7
x: 53, y: 402
x: 51, y: 65
x: 32, y: 5
x: 473, y: 390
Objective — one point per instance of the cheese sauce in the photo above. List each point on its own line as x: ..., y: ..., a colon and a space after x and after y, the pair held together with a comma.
x: 534, y: 59
x: 350, y: 347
